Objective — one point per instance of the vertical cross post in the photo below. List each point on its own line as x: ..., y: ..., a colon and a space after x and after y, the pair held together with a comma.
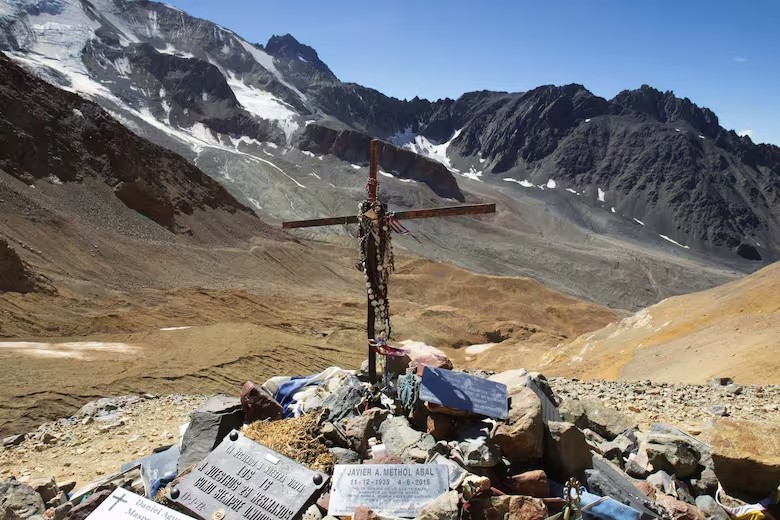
x: 371, y: 259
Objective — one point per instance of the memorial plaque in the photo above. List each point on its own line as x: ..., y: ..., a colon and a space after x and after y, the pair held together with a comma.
x: 464, y: 392
x: 122, y: 504
x: 389, y: 489
x: 243, y: 480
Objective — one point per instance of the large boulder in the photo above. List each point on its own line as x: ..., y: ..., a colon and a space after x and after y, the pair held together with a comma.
x: 18, y: 501
x: 521, y: 438
x: 258, y: 404
x: 746, y: 455
x: 209, y: 424
x: 591, y: 413
x: 568, y: 453
x: 508, y: 507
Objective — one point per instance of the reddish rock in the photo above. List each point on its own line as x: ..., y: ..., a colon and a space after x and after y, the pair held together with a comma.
x: 646, y: 488
x: 364, y: 513
x: 679, y: 510
x: 258, y: 404
x: 531, y: 483
x: 84, y: 509
x: 440, y: 426
x: 324, y: 503
x: 521, y: 439
x: 430, y: 360
x: 508, y: 507
x: 746, y: 455
x: 384, y: 459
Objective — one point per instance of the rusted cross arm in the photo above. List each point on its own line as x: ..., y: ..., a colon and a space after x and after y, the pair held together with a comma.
x: 448, y: 211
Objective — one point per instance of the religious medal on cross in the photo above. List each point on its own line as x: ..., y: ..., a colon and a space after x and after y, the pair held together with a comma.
x: 376, y: 253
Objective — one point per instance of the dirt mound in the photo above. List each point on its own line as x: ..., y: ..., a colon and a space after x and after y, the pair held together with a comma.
x: 732, y: 330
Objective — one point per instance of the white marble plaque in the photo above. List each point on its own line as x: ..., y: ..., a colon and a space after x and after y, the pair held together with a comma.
x: 390, y: 489
x: 122, y: 504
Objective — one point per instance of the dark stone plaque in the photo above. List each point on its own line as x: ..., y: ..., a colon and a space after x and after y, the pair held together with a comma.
x: 464, y: 392
x: 391, y: 489
x: 247, y: 481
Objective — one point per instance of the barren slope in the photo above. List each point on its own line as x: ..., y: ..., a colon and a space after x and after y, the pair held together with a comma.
x: 731, y: 330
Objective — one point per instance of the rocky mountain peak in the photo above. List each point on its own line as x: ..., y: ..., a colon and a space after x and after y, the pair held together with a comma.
x: 287, y: 48
x: 667, y: 108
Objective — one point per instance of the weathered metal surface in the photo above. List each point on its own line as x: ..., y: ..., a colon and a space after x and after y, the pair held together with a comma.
x: 388, y: 489
x: 447, y: 211
x: 242, y: 479
x: 464, y: 392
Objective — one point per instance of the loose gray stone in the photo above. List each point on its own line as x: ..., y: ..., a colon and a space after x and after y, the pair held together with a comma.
x: 209, y: 424
x: 478, y: 450
x: 719, y: 410
x: 18, y: 501
x: 345, y: 456
x: 13, y: 440
x: 401, y: 440
x: 568, y: 453
x: 711, y: 509
x: 671, y: 453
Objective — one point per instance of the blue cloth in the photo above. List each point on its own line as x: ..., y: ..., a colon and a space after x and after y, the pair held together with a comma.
x: 161, y: 483
x: 609, y: 509
x: 284, y: 395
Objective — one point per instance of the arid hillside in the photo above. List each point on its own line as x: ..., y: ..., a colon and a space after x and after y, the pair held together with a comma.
x: 732, y: 330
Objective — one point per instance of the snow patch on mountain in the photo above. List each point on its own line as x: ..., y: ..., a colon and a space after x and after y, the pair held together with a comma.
x: 267, y: 62
x: 264, y: 105
x: 420, y: 145
x: 673, y: 241
x: 524, y: 183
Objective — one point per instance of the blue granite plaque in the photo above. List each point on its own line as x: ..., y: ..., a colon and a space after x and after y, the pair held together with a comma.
x: 464, y: 392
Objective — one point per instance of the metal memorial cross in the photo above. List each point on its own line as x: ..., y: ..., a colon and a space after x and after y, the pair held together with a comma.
x: 376, y: 260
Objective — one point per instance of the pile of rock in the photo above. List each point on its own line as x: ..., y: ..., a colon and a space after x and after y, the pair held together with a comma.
x: 683, y: 404
x: 498, y: 468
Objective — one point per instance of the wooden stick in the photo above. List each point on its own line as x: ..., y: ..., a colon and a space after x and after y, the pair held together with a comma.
x: 373, y: 169
x: 447, y: 211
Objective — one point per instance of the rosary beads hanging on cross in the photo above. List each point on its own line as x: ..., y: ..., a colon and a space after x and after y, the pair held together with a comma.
x: 376, y: 252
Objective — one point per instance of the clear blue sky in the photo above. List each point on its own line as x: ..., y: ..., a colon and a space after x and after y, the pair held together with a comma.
x: 722, y: 54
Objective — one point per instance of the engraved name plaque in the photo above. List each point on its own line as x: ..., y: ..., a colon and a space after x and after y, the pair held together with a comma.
x: 391, y: 489
x: 244, y: 480
x: 464, y: 392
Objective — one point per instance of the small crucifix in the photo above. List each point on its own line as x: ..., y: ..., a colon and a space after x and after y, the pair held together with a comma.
x: 118, y: 499
x: 376, y: 260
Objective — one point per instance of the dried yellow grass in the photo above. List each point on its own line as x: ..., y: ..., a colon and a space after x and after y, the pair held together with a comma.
x: 298, y: 439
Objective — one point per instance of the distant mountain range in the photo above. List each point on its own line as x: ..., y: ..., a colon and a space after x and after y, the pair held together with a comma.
x: 623, y: 201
